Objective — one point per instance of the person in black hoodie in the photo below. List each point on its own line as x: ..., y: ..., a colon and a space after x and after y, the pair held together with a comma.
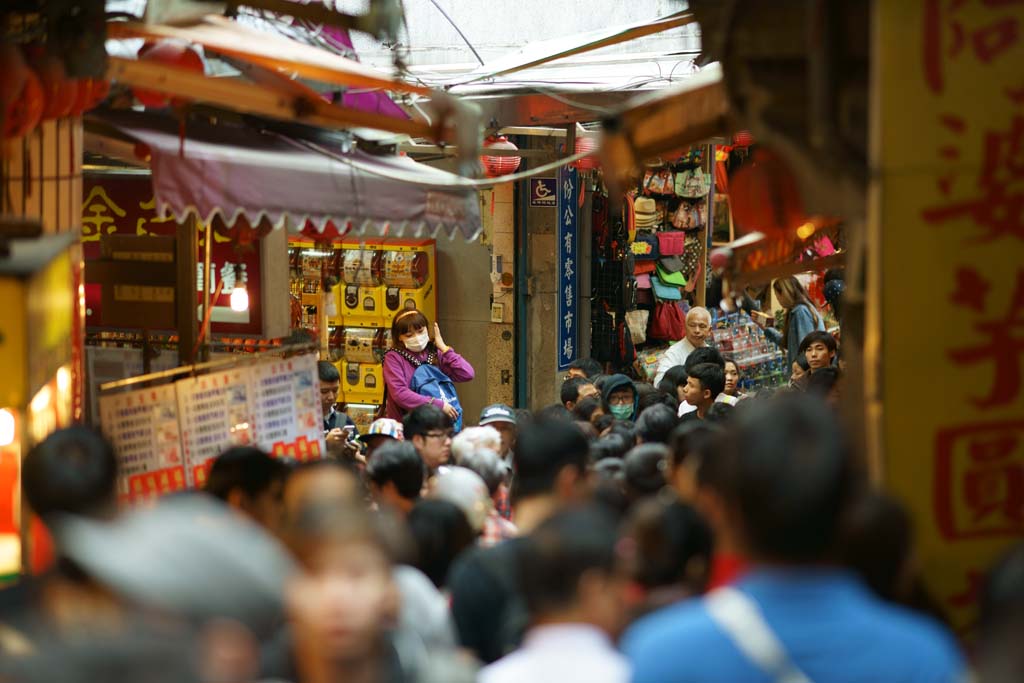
x: 620, y: 397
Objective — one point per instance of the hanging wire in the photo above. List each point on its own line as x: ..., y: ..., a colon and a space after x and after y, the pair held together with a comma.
x: 459, y: 31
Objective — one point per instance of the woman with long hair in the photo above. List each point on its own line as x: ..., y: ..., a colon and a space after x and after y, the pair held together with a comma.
x: 802, y: 316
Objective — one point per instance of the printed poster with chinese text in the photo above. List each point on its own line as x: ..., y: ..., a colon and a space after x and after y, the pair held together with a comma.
x: 948, y: 190
x: 286, y: 406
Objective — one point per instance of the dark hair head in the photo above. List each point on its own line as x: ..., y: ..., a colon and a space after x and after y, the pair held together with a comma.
x: 554, y: 412
x: 720, y: 413
x: 604, y: 422
x: 650, y: 396
x: 704, y: 354
x: 560, y: 552
x: 645, y: 470
x: 656, y: 423
x: 585, y: 408
x: 588, y: 366
x: 399, y: 463
x: 729, y: 358
x: 441, y: 533
x: 819, y: 336
x: 523, y: 416
x: 571, y: 389
x: 693, y: 439
x: 821, y: 381
x: 405, y: 322
x: 792, y: 477
x: 673, y: 378
x: 671, y: 545
x: 609, y: 446
x: 423, y: 419
x: 542, y: 451
x: 73, y: 471
x: 321, y: 524
x: 246, y: 468
x: 710, y: 377
x: 488, y: 465
x: 610, y: 469
x: 624, y: 428
x: 328, y: 371
x: 877, y: 542
x: 1002, y: 596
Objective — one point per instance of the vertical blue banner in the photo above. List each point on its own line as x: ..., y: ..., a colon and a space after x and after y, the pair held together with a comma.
x: 568, y: 289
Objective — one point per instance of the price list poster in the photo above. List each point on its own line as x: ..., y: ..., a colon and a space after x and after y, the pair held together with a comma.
x: 143, y: 426
x: 289, y: 420
x: 216, y: 414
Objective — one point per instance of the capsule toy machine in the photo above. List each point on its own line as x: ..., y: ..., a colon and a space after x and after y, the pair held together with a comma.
x: 362, y: 375
x: 410, y: 278
x: 361, y: 292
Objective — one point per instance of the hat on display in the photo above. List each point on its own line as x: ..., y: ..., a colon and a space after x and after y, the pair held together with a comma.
x: 497, y: 412
x: 385, y: 426
x: 646, y: 211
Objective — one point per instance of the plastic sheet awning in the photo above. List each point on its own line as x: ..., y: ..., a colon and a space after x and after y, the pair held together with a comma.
x: 227, y: 172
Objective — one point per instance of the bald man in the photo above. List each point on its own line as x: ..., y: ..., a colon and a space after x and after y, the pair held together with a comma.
x: 698, y: 328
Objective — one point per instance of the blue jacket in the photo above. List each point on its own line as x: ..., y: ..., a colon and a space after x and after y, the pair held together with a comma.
x: 801, y: 324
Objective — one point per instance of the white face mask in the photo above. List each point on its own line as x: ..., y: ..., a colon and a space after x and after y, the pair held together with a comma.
x: 419, y: 342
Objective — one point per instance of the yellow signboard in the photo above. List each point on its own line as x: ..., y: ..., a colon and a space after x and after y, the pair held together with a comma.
x: 948, y: 189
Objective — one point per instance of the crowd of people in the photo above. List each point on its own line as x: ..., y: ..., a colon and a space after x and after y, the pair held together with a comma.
x: 669, y: 532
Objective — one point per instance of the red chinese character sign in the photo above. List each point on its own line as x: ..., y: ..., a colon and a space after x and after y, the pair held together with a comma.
x: 948, y: 173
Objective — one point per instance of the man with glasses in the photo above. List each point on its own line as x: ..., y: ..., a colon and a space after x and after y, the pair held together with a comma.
x: 698, y: 329
x: 430, y: 431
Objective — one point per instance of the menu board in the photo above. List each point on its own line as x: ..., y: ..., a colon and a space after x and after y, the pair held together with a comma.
x: 167, y: 437
x: 215, y: 414
x: 143, y: 426
x: 286, y: 401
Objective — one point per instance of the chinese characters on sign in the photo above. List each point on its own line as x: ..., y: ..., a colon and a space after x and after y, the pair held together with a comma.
x: 568, y: 266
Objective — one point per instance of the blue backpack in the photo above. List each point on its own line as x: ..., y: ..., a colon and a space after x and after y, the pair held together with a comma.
x: 429, y: 380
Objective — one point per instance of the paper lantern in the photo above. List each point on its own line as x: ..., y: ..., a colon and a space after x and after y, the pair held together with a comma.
x: 584, y: 144
x: 24, y: 113
x: 170, y: 53
x: 744, y: 138
x: 59, y: 93
x: 765, y: 197
x: 495, y: 166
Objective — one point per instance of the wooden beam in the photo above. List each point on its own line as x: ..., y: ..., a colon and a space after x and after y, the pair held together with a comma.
x: 257, y: 99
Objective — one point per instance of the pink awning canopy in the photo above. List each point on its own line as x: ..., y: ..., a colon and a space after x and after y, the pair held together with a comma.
x: 230, y: 171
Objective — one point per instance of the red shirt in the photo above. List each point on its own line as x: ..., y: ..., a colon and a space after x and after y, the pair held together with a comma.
x: 725, y: 569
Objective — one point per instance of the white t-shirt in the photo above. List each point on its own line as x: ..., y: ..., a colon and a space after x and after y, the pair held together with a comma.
x: 675, y: 355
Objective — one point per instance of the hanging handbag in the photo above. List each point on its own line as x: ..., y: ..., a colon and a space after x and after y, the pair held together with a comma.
x: 637, y: 323
x: 643, y: 268
x: 688, y: 216
x: 668, y: 322
x: 671, y: 243
x: 692, y: 184
x: 646, y: 246
x: 663, y: 291
x: 692, y: 256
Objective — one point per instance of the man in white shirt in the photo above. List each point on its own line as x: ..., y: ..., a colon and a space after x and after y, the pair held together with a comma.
x: 575, y: 601
x: 698, y: 329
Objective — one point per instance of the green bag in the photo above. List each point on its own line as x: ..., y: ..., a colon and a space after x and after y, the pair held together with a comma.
x: 670, y: 278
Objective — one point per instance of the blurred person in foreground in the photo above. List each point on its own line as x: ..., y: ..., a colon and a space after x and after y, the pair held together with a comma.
x: 251, y: 482
x: 574, y: 597
x: 491, y: 470
x: 342, y: 602
x: 495, y: 436
x: 1001, y: 628
x: 72, y: 472
x: 440, y: 532
x: 551, y: 475
x: 792, y: 482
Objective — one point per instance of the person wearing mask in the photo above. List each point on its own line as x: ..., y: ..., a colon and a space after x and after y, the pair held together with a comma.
x: 620, y: 397
x: 412, y: 347
x: 395, y: 473
x: 339, y: 429
x: 574, y: 597
x: 704, y: 383
x: 251, y: 482
x: 802, y: 316
x: 551, y: 475
x: 792, y: 480
x: 698, y: 329
x: 429, y: 430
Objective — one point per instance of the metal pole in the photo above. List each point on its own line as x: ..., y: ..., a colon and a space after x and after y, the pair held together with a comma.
x: 207, y: 299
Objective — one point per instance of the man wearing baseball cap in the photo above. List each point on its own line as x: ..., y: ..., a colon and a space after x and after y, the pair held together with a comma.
x: 382, y: 431
x: 503, y: 419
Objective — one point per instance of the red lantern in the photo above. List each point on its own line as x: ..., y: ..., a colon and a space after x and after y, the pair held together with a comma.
x: 765, y: 197
x: 172, y: 54
x: 24, y: 113
x: 495, y: 166
x: 58, y: 92
x: 744, y: 138
x: 584, y: 144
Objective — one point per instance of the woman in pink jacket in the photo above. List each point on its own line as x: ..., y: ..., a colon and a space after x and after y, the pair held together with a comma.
x: 411, y: 344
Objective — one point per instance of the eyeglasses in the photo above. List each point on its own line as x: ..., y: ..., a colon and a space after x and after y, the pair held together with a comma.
x: 439, y: 435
